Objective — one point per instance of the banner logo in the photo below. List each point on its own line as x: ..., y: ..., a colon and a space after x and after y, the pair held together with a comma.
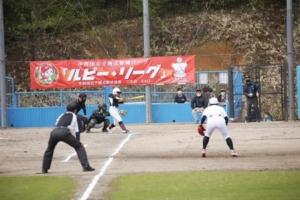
x: 46, y: 74
x: 179, y: 68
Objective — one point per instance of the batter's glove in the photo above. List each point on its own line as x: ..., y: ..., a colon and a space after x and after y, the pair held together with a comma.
x: 123, y: 112
x: 201, y: 130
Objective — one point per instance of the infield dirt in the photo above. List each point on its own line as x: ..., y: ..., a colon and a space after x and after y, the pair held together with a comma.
x: 153, y: 148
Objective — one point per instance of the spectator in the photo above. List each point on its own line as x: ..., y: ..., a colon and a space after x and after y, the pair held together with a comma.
x: 222, y: 96
x: 198, y: 104
x: 180, y: 97
x: 268, y: 117
x: 222, y: 99
x: 208, y: 92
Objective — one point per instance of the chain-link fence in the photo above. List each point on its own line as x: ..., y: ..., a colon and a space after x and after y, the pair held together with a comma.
x: 216, y: 80
x: 9, y: 91
x: 271, y: 81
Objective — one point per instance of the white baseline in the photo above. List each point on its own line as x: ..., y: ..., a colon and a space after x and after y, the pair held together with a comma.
x: 96, y: 178
x: 71, y: 155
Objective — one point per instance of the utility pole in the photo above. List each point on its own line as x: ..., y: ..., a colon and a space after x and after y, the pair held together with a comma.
x: 146, y: 23
x: 290, y: 57
x: 2, y: 69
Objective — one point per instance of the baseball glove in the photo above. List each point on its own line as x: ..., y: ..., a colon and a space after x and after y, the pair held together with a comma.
x: 201, y: 130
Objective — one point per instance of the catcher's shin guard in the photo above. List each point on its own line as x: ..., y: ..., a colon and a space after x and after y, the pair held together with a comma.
x: 91, y: 124
x: 111, y: 126
x: 105, y: 126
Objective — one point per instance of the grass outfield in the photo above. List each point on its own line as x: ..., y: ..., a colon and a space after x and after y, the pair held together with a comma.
x: 208, y: 185
x: 37, y: 187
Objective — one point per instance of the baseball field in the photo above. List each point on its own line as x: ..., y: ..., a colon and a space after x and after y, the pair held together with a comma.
x: 157, y: 161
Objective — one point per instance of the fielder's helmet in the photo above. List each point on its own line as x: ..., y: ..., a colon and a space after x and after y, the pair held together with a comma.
x: 213, y: 101
x: 116, y: 91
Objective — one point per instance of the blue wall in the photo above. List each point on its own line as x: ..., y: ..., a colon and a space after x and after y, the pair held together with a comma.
x: 298, y: 90
x: 46, y: 116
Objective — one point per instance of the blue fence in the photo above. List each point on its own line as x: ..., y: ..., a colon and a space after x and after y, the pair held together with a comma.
x: 298, y: 90
x: 44, y: 113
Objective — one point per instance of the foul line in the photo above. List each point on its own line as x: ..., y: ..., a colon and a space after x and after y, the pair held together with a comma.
x: 96, y: 178
x: 71, y: 155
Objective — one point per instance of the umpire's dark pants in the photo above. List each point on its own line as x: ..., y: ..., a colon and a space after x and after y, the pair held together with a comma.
x: 82, y: 122
x: 64, y: 135
x: 252, y: 102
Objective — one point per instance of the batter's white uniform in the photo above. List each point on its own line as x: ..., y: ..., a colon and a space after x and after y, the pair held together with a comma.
x: 215, y: 120
x: 114, y: 112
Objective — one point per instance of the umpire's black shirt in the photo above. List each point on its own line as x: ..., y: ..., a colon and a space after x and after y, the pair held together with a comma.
x: 68, y: 120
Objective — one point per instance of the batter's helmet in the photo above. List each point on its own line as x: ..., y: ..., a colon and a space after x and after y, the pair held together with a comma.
x: 116, y: 90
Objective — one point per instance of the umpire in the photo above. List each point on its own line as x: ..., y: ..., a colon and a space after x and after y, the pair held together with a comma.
x: 251, y: 91
x: 66, y: 126
x: 79, y: 103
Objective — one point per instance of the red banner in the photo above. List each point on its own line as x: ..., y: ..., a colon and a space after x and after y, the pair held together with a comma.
x: 101, y: 72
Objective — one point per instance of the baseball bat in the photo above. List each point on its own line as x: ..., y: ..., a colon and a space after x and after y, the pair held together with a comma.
x: 137, y: 97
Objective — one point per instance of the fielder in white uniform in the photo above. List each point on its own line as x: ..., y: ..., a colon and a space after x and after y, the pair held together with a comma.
x: 216, y: 118
x: 114, y: 100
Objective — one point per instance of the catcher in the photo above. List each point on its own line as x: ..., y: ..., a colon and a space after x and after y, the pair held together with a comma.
x: 216, y: 118
x: 98, y: 117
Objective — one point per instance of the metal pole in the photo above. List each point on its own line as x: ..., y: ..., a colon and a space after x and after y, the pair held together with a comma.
x: 230, y: 92
x: 147, y: 54
x: 290, y: 57
x: 2, y: 70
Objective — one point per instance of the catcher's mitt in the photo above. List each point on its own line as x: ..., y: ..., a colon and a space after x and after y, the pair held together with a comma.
x: 201, y: 130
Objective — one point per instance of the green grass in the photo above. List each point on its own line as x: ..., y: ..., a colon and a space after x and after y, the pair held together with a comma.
x: 208, y: 185
x: 37, y: 187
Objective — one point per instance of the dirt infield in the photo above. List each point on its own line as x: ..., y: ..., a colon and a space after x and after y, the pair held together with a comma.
x: 154, y: 148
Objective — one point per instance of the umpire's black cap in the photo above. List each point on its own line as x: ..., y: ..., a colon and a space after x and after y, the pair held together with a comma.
x: 71, y: 107
x: 82, y: 95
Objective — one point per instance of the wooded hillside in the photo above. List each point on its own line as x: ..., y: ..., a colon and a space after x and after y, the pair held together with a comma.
x: 219, y: 32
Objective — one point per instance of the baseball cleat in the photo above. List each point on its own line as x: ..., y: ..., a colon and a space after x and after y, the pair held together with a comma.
x: 203, y: 153
x: 125, y: 131
x: 88, y: 169
x: 109, y: 130
x: 44, y: 171
x: 234, y: 154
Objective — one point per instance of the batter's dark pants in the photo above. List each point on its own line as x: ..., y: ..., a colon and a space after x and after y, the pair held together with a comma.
x: 64, y: 135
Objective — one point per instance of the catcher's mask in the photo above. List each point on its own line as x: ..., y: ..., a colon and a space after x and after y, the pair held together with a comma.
x: 102, y: 106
